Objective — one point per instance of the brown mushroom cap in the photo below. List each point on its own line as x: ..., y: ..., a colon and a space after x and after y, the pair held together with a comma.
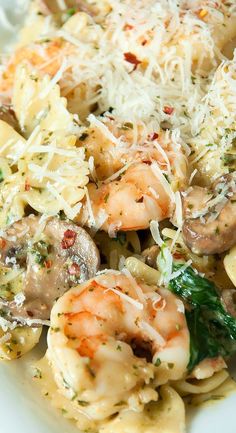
x: 62, y: 256
x: 215, y: 230
x: 150, y: 255
x: 228, y: 297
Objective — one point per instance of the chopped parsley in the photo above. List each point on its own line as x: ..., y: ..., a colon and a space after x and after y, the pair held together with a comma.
x: 1, y: 175
x: 70, y: 12
x: 83, y: 403
x: 158, y: 362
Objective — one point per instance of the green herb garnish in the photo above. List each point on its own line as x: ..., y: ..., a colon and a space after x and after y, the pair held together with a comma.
x: 83, y: 403
x: 212, y: 329
x: 121, y: 238
x: 70, y: 12
x: 158, y: 362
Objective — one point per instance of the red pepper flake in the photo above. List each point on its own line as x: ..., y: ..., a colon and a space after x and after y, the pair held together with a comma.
x: 48, y: 264
x: 168, y: 110
x: 128, y: 27
x: 74, y: 269
x: 2, y: 243
x: 178, y: 256
x: 153, y: 136
x: 147, y: 161
x: 27, y: 185
x: 68, y: 239
x: 30, y: 313
x: 131, y: 58
x: 144, y: 42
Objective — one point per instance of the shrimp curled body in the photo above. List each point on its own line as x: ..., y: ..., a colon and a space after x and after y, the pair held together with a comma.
x: 111, y: 340
x: 131, y: 202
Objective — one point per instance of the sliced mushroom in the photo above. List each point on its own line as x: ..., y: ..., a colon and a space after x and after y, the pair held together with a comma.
x: 228, y: 298
x: 210, y: 217
x: 150, y: 255
x: 7, y: 114
x: 56, y: 255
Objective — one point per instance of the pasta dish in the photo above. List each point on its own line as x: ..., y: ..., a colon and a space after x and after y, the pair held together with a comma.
x: 118, y: 207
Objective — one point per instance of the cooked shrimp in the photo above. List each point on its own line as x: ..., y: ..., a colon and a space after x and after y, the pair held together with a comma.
x: 46, y: 57
x: 109, y: 339
x: 113, y: 144
x: 132, y: 187
x: 202, y: 53
x: 131, y: 202
x: 208, y: 367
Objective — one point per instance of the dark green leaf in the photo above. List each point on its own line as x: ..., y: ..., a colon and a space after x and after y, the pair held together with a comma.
x: 1, y: 175
x: 212, y: 329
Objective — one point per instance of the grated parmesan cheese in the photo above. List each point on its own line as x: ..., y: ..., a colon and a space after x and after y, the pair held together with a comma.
x: 152, y: 333
x: 127, y: 298
x: 154, y: 228
x: 19, y: 299
x: 91, y: 220
x: 135, y: 285
x: 164, y: 183
x: 44, y: 93
x: 103, y: 128
x: 6, y: 324
x: 180, y: 306
x: 117, y: 173
x: 178, y: 216
x: 182, y: 269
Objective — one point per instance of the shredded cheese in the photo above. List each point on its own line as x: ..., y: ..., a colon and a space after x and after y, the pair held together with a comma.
x: 154, y: 228
x: 96, y: 122
x: 117, y: 173
x: 19, y: 299
x: 44, y: 93
x: 127, y: 298
x: 6, y: 324
x: 152, y: 333
x: 178, y: 210
x: 135, y: 285
x: 164, y: 183
x: 182, y: 269
x: 91, y: 221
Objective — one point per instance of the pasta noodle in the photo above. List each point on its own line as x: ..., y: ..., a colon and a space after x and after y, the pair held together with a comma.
x: 139, y: 270
x: 18, y: 341
x: 229, y: 264
x: 202, y: 387
x: 48, y: 154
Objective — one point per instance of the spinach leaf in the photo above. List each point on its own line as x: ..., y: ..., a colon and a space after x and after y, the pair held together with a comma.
x: 212, y: 329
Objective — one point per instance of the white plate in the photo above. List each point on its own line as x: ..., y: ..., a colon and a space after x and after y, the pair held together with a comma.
x: 22, y: 409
